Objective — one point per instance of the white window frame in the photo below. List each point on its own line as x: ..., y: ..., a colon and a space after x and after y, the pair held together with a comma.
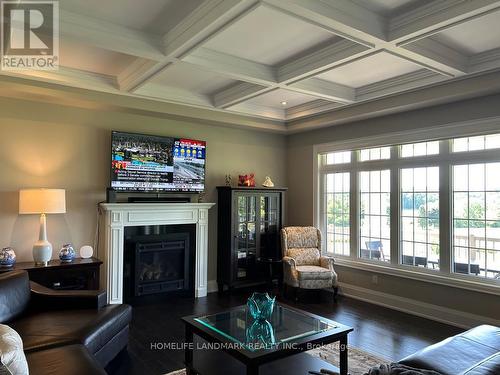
x: 445, y: 160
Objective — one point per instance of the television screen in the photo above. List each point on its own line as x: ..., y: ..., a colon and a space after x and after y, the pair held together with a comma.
x: 152, y: 163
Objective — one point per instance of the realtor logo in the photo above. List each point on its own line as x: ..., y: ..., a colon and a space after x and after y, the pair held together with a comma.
x: 30, y: 35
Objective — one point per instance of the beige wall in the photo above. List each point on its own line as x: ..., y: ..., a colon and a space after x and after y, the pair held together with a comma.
x: 44, y: 145
x: 300, y: 194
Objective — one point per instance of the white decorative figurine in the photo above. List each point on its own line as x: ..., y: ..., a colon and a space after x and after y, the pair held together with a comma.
x: 267, y: 182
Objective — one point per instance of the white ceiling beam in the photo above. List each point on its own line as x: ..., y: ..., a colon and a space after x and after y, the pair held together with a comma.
x: 237, y: 93
x: 437, y: 56
x: 232, y: 66
x: 137, y: 73
x: 436, y: 16
x: 94, y: 32
x: 310, y: 108
x: 323, y: 59
x: 393, y: 85
x: 326, y: 90
x: 174, y: 95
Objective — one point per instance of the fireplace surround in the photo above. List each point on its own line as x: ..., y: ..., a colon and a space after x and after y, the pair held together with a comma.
x: 115, y: 217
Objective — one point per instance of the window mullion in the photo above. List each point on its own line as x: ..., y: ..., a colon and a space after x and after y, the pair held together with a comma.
x: 445, y: 209
x: 395, y: 208
x: 354, y: 209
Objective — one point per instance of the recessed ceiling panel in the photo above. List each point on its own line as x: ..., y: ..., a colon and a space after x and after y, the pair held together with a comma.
x: 281, y: 99
x: 369, y: 70
x: 92, y: 59
x: 472, y: 37
x: 268, y: 36
x: 190, y: 78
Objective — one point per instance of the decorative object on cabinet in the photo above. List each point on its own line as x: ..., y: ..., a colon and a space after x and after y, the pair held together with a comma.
x: 249, y: 223
x: 268, y: 182
x: 7, y: 257
x: 229, y: 180
x: 86, y: 252
x: 42, y: 201
x: 67, y: 253
x: 247, y: 180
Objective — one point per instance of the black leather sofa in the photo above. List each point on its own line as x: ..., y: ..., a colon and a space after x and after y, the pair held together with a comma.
x: 474, y: 352
x: 63, y: 332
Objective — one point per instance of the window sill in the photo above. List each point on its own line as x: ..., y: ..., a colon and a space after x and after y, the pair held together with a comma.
x: 430, y: 276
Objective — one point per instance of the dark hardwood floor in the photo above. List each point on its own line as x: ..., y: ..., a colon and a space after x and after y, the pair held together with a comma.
x: 381, y: 331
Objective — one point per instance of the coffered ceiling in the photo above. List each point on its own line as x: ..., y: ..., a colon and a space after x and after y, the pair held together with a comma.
x: 277, y: 60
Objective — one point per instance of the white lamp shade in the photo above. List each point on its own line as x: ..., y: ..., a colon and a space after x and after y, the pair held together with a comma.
x: 42, y: 201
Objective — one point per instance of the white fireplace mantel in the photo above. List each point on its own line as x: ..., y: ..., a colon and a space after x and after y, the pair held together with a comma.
x: 117, y: 216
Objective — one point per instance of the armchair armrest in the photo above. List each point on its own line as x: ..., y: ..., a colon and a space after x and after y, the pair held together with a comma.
x: 327, y: 262
x: 290, y: 262
x: 45, y: 298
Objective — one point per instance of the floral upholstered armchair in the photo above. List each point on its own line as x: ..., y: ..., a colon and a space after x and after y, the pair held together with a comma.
x: 304, y: 267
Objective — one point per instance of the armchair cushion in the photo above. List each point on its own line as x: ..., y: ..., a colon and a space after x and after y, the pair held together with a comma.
x: 313, y: 273
x: 304, y: 256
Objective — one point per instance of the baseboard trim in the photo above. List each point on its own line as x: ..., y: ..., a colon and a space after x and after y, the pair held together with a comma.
x: 212, y: 286
x: 422, y: 309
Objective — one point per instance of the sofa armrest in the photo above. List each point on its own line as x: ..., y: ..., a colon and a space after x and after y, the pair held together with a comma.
x: 46, y: 298
x: 326, y: 262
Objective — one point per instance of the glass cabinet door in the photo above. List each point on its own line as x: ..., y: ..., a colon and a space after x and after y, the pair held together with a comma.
x: 246, y: 236
x: 269, y: 225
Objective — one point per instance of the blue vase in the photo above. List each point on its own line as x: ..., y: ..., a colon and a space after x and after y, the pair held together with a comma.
x: 67, y: 253
x: 261, y: 306
x: 7, y: 257
x: 260, y: 335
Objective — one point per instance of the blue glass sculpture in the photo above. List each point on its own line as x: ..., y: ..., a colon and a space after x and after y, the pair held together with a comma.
x: 260, y: 335
x: 261, y: 306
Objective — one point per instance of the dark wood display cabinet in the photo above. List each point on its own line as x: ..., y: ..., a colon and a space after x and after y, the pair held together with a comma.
x: 248, y: 232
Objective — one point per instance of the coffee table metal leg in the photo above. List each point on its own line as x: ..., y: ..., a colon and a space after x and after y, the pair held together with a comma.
x: 188, y: 351
x: 252, y: 370
x: 343, y: 355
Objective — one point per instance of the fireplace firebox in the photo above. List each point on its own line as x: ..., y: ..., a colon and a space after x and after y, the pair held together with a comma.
x: 158, y: 261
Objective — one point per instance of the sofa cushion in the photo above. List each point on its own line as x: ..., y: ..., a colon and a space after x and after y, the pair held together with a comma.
x: 12, y: 356
x: 69, y: 359
x: 305, y: 256
x: 14, y: 294
x: 90, y: 327
x: 485, y: 335
x: 453, y: 355
x: 489, y: 366
x: 314, y: 273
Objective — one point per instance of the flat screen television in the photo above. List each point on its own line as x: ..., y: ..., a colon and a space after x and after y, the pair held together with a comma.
x: 142, y: 162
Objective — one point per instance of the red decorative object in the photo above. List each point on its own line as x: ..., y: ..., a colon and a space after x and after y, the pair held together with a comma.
x: 246, y: 180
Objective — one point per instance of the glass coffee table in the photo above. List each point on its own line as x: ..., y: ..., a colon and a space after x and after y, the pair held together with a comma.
x: 232, y: 342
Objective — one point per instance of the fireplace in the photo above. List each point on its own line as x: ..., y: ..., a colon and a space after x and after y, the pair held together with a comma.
x: 158, y: 261
x: 118, y: 218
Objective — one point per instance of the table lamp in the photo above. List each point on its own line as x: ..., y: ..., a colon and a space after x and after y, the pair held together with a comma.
x: 42, y: 201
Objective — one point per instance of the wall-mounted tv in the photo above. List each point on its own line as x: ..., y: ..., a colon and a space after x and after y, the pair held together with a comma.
x: 142, y: 162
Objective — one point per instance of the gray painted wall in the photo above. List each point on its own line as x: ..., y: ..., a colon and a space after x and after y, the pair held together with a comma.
x: 300, y: 195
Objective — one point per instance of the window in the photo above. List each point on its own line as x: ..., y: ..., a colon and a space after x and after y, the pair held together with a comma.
x: 482, y: 142
x: 337, y: 213
x: 432, y: 208
x: 420, y: 217
x: 338, y: 157
x: 376, y: 153
x: 420, y: 149
x: 476, y: 219
x: 375, y: 226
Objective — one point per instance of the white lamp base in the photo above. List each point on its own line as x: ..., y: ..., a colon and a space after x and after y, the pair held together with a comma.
x: 42, y: 253
x: 42, y: 249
